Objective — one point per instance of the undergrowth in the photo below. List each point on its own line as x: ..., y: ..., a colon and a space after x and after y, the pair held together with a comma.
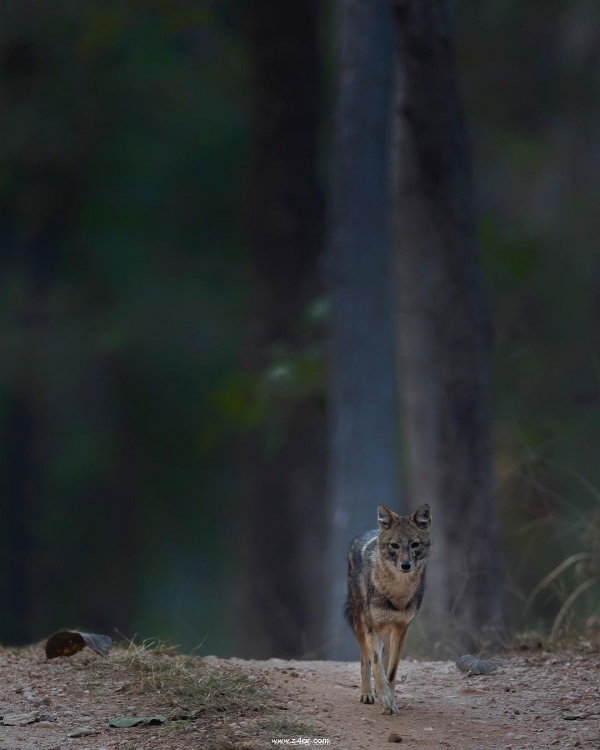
x: 188, y: 682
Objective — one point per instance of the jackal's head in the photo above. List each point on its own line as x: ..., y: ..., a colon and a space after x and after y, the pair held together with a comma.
x: 405, y: 541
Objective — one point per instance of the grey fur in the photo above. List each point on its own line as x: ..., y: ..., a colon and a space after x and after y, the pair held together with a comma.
x: 386, y: 585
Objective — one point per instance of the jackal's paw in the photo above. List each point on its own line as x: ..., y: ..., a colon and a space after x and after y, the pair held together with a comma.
x: 388, y: 704
x: 367, y: 698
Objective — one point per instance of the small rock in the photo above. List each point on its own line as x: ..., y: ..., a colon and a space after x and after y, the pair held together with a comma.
x: 394, y: 737
x: 17, y: 720
x: 471, y: 665
x: 83, y: 732
x: 35, y: 701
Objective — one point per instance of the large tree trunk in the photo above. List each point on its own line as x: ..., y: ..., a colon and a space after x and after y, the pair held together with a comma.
x: 283, y: 514
x: 445, y: 336
x: 363, y: 388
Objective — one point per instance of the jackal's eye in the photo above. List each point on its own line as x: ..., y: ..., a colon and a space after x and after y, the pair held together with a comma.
x: 414, y: 545
x: 394, y: 545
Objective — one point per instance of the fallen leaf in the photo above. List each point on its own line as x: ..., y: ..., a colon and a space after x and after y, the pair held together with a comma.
x: 123, y: 722
x: 17, y: 720
x: 69, y: 642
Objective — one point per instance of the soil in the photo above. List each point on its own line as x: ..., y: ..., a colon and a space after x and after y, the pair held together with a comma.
x: 540, y: 701
x: 535, y: 700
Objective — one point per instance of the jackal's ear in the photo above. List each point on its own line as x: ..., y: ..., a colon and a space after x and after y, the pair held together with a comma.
x: 422, y: 516
x: 385, y: 516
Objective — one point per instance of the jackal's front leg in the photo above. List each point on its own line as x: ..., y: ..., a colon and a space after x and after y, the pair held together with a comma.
x: 382, y: 688
x: 396, y: 644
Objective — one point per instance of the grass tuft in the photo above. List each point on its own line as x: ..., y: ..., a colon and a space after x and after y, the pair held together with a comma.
x: 190, y: 683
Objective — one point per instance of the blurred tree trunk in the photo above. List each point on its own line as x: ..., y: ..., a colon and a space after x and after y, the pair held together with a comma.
x: 283, y: 515
x: 445, y: 338
x: 363, y: 385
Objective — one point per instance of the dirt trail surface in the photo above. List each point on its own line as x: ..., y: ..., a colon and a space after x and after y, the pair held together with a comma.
x: 536, y: 702
x: 532, y: 701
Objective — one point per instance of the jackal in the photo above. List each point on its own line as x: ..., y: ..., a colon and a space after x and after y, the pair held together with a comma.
x: 386, y: 583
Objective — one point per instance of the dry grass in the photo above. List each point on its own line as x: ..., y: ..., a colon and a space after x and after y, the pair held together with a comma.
x: 202, y: 692
x: 575, y: 584
x: 188, y: 682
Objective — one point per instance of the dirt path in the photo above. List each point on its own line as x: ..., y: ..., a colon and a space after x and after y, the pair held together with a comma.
x: 537, y: 701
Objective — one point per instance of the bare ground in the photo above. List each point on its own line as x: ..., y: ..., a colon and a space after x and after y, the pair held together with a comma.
x: 536, y: 700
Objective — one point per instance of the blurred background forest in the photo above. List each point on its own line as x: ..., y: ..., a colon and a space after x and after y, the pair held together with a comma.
x: 163, y: 379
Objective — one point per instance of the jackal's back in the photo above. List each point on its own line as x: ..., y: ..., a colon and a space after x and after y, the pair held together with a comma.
x: 361, y: 559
